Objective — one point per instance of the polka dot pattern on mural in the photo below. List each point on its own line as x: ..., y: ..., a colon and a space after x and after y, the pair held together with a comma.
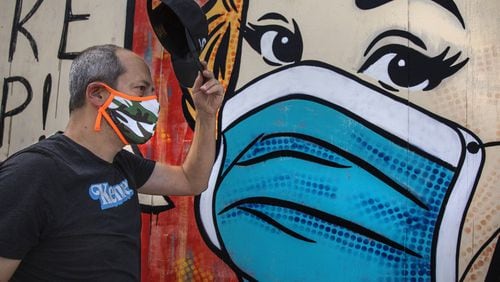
x: 339, y: 239
x: 187, y: 270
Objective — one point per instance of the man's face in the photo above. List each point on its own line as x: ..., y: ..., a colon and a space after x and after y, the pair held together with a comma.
x: 134, y: 108
x: 136, y: 80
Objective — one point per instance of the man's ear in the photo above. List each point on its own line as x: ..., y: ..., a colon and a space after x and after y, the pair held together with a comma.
x: 96, y: 94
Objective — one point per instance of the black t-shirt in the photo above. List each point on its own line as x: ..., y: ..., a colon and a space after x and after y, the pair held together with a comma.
x: 69, y: 215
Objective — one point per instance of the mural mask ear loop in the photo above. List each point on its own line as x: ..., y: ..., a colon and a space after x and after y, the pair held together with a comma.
x: 102, y: 113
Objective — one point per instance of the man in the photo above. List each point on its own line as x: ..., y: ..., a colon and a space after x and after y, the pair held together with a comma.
x: 68, y: 204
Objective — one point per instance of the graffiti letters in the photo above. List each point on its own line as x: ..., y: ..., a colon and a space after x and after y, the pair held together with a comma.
x: 3, y: 105
x: 69, y: 17
x: 19, y: 27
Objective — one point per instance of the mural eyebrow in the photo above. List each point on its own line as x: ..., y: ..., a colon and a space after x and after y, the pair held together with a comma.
x: 447, y: 4
x: 401, y: 33
x: 452, y: 7
x: 273, y: 16
x: 370, y: 4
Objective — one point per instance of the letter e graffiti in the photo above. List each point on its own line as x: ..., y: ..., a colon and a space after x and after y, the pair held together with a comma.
x: 18, y: 109
x: 69, y: 17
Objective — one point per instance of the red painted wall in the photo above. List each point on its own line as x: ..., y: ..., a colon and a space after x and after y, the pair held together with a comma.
x: 172, y: 248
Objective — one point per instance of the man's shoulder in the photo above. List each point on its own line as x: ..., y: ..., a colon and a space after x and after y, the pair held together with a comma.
x: 42, y: 151
x: 51, y: 154
x: 126, y: 155
x: 34, y: 160
x: 30, y: 168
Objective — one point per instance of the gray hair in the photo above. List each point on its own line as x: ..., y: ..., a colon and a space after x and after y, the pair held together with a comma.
x: 97, y: 63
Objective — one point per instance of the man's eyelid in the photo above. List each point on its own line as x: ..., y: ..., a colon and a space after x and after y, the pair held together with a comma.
x: 144, y: 83
x: 146, y: 89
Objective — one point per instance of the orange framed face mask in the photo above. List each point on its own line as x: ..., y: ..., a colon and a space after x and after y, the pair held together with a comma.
x: 132, y: 118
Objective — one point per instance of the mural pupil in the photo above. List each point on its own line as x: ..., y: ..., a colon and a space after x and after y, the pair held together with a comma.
x: 285, y: 49
x: 404, y: 73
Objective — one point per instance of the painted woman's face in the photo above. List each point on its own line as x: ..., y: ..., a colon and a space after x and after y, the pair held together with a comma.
x: 331, y: 161
x: 386, y: 50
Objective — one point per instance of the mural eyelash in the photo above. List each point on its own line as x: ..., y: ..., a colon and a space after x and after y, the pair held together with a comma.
x: 448, y: 63
x: 251, y: 36
x: 401, y: 66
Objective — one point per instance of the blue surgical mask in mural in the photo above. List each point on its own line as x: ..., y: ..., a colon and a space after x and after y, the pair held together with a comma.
x: 324, y: 178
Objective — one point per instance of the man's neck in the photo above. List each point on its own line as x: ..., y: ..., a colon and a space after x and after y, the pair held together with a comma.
x: 103, y: 144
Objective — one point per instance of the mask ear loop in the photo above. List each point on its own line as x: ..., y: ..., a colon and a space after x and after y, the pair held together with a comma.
x: 102, y: 113
x: 474, y: 147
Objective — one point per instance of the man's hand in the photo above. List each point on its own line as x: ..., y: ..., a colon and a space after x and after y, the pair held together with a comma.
x: 208, y: 93
x: 191, y: 178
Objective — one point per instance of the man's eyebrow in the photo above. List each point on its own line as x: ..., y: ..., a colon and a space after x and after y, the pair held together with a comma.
x: 146, y: 82
x: 447, y: 4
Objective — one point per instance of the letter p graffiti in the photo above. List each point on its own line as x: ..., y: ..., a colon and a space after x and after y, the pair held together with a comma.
x: 3, y: 103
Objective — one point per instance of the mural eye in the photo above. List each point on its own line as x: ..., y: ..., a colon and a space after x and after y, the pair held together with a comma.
x: 277, y: 44
x: 398, y: 66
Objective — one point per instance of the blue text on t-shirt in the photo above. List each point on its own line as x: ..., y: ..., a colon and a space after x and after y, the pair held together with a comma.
x: 111, y: 195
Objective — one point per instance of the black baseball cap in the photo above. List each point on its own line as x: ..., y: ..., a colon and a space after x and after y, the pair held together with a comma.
x: 182, y: 29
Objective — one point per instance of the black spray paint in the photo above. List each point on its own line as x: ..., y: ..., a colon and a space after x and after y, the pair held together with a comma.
x: 18, y: 27
x: 3, y: 106
x: 69, y: 17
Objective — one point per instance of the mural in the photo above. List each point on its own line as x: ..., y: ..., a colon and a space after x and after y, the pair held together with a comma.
x: 354, y: 133
x: 335, y: 149
x: 172, y: 246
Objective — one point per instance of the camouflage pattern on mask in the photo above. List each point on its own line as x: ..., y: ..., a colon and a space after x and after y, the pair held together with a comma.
x: 135, y: 120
